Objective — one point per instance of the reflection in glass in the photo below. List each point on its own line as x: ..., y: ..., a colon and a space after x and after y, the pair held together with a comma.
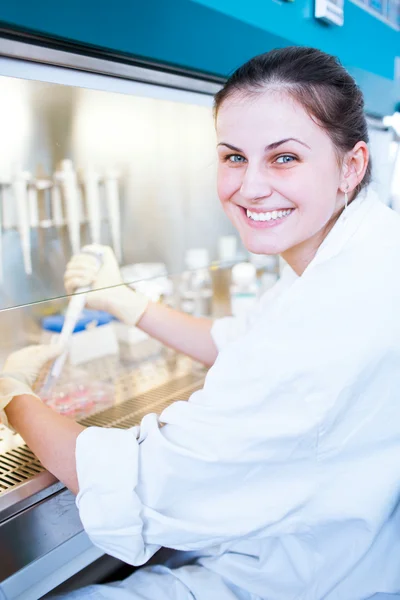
x: 134, y: 172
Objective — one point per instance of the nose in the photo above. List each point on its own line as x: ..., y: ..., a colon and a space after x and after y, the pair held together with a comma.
x: 255, y: 184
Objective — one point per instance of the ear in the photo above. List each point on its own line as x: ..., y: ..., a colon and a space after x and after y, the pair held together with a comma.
x: 354, y: 166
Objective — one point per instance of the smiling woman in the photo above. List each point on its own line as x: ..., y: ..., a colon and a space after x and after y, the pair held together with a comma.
x: 280, y: 479
x: 292, y: 142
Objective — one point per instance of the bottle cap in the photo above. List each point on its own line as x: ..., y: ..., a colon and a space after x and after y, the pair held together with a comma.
x: 227, y: 248
x: 244, y: 273
x: 197, y: 258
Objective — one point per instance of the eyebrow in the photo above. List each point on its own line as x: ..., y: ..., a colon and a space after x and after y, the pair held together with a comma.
x: 271, y: 146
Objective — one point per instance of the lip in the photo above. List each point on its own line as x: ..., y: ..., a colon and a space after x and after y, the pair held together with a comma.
x: 263, y: 224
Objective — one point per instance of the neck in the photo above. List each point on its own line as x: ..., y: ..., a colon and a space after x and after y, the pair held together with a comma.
x: 299, y: 257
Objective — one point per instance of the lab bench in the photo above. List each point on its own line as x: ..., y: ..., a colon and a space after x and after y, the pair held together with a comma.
x: 42, y: 540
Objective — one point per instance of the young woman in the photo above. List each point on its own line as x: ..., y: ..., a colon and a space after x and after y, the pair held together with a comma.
x: 280, y: 479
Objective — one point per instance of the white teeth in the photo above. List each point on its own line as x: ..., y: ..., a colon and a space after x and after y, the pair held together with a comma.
x: 267, y: 216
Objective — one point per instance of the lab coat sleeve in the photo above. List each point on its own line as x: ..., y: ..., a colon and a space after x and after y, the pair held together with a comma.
x: 209, y: 476
x: 109, y: 508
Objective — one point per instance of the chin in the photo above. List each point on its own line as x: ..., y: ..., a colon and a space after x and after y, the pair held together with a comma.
x: 262, y: 246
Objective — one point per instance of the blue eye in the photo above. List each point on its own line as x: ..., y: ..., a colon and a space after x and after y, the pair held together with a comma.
x: 284, y: 159
x: 235, y: 158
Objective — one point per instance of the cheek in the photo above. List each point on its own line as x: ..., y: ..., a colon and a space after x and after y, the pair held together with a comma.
x: 325, y: 187
x: 313, y: 188
x: 229, y: 182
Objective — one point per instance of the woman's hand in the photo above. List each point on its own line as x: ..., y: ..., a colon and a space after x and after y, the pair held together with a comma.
x: 111, y: 294
x: 21, y: 371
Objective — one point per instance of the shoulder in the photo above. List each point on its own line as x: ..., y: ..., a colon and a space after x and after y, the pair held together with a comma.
x: 381, y: 223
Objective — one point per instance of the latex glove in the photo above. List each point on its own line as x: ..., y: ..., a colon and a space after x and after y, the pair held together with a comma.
x: 121, y: 301
x: 21, y: 370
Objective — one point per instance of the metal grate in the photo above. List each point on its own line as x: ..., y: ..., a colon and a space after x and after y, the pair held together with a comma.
x: 129, y: 413
x: 16, y: 466
x: 20, y: 464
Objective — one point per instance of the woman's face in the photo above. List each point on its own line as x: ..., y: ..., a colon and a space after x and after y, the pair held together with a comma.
x: 278, y: 175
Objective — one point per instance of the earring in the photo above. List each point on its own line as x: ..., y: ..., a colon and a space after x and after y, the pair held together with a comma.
x: 346, y: 202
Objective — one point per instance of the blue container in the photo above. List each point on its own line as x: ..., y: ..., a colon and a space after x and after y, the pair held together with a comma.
x: 55, y: 322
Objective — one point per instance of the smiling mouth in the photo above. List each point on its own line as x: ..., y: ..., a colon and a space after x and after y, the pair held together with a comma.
x: 267, y: 218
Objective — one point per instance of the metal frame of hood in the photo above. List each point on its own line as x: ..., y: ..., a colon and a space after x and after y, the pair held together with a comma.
x: 31, y: 48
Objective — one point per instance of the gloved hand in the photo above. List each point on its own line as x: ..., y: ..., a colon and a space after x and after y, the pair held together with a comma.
x: 21, y: 371
x: 121, y: 301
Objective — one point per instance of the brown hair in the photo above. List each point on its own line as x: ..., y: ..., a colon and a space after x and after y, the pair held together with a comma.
x: 318, y: 82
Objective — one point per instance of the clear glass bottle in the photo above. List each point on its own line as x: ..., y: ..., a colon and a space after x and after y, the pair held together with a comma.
x: 244, y: 288
x: 195, y: 287
x: 267, y: 266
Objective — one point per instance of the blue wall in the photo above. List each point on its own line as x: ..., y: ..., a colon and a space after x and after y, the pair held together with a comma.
x: 215, y: 36
x: 363, y: 41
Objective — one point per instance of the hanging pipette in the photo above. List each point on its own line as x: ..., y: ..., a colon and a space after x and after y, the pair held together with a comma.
x: 56, y: 205
x: 90, y: 181
x: 68, y: 178
x: 113, y: 210
x: 2, y: 187
x: 33, y: 206
x: 9, y: 216
x: 19, y: 187
x: 5, y: 181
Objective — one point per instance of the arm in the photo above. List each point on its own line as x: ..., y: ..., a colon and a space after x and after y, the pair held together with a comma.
x: 179, y: 486
x: 49, y: 435
x: 182, y: 332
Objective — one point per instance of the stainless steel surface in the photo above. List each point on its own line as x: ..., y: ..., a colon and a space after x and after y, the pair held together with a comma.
x: 149, y: 387
x: 36, y: 531
x: 43, y: 575
x: 41, y: 54
x: 163, y: 146
x: 42, y: 547
x: 34, y: 527
x: 35, y: 490
x: 16, y: 466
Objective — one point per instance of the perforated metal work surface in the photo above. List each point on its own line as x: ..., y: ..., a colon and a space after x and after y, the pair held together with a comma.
x: 129, y: 413
x: 19, y: 467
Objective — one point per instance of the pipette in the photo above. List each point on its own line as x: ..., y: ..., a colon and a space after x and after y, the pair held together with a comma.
x: 67, y: 176
x: 4, y: 186
x: 113, y: 209
x: 33, y: 205
x: 73, y: 312
x: 90, y: 180
x: 56, y: 205
x: 20, y: 190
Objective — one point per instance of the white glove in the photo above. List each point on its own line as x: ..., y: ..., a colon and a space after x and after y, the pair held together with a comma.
x: 21, y: 370
x: 121, y: 301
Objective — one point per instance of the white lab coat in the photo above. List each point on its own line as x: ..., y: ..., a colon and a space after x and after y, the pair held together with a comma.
x: 280, y: 479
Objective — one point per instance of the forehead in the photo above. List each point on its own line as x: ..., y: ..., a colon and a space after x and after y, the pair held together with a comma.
x: 266, y: 117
